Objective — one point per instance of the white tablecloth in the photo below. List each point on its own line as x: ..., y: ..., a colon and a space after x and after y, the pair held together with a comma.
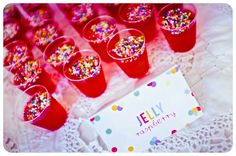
x: 207, y: 68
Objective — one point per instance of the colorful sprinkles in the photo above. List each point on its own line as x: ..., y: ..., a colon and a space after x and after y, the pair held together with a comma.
x: 38, y: 17
x: 9, y: 11
x: 61, y: 55
x: 139, y: 12
x: 176, y: 21
x: 28, y: 73
x: 81, y: 13
x: 36, y: 105
x: 10, y: 30
x: 14, y: 55
x: 45, y: 35
x: 102, y: 30
x: 85, y: 67
x: 129, y: 47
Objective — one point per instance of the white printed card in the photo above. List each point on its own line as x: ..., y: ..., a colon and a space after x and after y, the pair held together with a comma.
x: 149, y: 114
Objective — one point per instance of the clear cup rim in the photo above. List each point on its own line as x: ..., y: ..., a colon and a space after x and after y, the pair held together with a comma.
x: 53, y: 42
x: 123, y: 30
x: 168, y: 5
x: 133, y: 22
x: 81, y: 52
x: 24, y: 92
x: 94, y: 19
x: 7, y: 50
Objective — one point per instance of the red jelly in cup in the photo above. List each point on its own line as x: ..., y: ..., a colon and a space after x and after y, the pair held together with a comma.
x: 40, y: 109
x: 84, y: 70
x: 58, y: 52
x: 45, y: 34
x: 98, y: 32
x: 11, y: 31
x: 80, y: 14
x: 15, y: 51
x: 28, y: 72
x: 127, y: 49
x: 139, y: 16
x: 178, y: 23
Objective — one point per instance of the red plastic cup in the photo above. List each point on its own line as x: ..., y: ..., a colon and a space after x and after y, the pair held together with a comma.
x: 159, y: 6
x: 11, y: 31
x: 85, y: 71
x: 45, y: 34
x: 58, y: 52
x: 15, y: 51
x: 80, y: 14
x: 113, y: 9
x: 28, y: 72
x: 40, y: 109
x: 181, y: 36
x: 97, y: 32
x: 141, y: 17
x: 127, y: 48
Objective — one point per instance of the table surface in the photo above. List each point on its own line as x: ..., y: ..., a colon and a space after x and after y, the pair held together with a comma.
x: 207, y: 69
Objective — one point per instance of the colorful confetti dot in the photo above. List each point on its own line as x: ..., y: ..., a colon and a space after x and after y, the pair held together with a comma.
x: 114, y: 149
x: 131, y: 148
x: 97, y: 118
x: 114, y: 107
x: 173, y: 131
x: 195, y: 110
x: 136, y: 93
x: 152, y: 84
x: 154, y: 141
x: 119, y: 108
x: 176, y: 21
x: 108, y: 131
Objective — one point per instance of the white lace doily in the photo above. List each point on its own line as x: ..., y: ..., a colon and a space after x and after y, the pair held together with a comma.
x: 207, y: 69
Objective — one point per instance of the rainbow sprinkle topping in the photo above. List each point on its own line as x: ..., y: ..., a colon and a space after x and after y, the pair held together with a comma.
x: 129, y: 47
x: 9, y: 11
x: 10, y: 31
x: 81, y: 13
x: 36, y: 105
x: 176, y: 21
x: 102, y: 30
x: 85, y: 67
x: 45, y: 35
x: 28, y: 73
x: 139, y: 12
x: 38, y: 17
x: 61, y: 55
x: 14, y: 55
